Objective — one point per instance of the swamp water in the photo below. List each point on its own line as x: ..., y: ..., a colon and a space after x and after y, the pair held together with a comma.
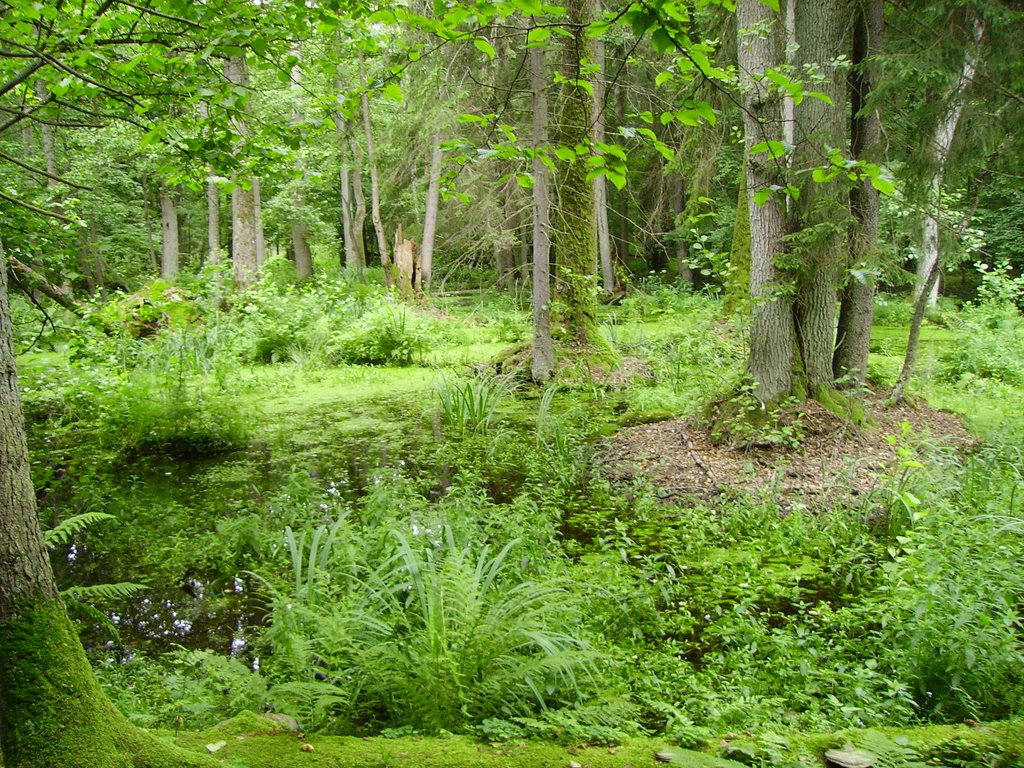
x: 195, y: 529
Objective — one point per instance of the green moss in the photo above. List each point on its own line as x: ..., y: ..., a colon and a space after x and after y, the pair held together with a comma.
x: 54, y: 713
x: 248, y: 723
x: 999, y: 745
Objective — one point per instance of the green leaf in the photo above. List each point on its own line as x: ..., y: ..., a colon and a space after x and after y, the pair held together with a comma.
x: 525, y: 180
x: 393, y: 91
x: 762, y: 196
x: 65, y: 530
x: 883, y: 184
x: 662, y: 78
x: 485, y: 47
x: 775, y: 149
x: 565, y: 154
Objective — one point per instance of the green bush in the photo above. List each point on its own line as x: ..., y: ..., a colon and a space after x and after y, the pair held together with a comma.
x: 438, y: 635
x: 388, y: 335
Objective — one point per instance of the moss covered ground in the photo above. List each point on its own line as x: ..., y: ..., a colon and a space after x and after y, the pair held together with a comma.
x: 252, y: 741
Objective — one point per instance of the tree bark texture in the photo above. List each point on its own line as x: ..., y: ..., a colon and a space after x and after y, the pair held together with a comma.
x: 772, y: 333
x: 371, y: 160
x: 53, y: 713
x: 543, y: 350
x: 359, y: 201
x: 299, y: 228
x: 212, y: 206
x: 169, y: 229
x: 853, y: 338
x: 819, y: 219
x: 431, y: 211
x: 49, y: 139
x: 601, y: 231
x: 244, y: 220
x: 941, y: 142
x: 574, y: 195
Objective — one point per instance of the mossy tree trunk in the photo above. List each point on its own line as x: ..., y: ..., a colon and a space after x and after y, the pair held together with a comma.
x: 575, y: 247
x: 53, y: 713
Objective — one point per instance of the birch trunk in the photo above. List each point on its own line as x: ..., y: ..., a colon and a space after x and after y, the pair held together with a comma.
x: 431, y: 212
x: 939, y: 148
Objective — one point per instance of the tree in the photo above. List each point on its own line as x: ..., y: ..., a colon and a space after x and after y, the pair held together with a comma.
x: 543, y: 353
x: 853, y: 339
x: 770, y: 362
x: 573, y: 218
x: 52, y: 711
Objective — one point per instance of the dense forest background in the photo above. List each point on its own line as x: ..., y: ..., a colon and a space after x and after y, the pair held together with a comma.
x: 513, y: 369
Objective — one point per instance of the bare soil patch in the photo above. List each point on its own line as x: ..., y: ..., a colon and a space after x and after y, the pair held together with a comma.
x: 837, y: 461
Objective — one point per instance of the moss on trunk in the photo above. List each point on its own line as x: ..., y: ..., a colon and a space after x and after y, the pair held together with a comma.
x: 53, y: 713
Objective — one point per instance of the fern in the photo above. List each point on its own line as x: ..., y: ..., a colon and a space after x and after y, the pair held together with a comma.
x: 65, y: 530
x: 889, y: 753
x: 100, y: 592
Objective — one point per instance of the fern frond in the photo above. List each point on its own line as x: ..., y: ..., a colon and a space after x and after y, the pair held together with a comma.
x: 66, y: 529
x: 117, y: 591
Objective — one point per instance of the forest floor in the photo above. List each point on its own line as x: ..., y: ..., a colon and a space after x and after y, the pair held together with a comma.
x: 252, y: 741
x: 836, y: 461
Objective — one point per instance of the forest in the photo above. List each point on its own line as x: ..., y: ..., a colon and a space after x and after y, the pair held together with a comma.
x: 507, y: 383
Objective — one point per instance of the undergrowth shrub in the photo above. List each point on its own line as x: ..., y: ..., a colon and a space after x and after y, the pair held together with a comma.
x: 422, y: 630
x: 989, y: 345
x: 471, y: 405
x: 387, y: 335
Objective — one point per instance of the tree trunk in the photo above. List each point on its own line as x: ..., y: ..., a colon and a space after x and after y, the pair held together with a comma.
x: 212, y: 205
x: 914, y: 337
x: 169, y: 228
x: 257, y: 218
x: 359, y: 198
x: 245, y: 236
x: 682, y: 254
x: 574, y: 195
x: 853, y: 339
x: 603, y: 237
x: 49, y: 141
x: 939, y: 148
x: 430, y: 214
x: 772, y: 335
x: 53, y: 713
x: 818, y: 218
x: 624, y: 239
x: 355, y: 253
x: 300, y: 230
x: 543, y: 351
x: 371, y: 159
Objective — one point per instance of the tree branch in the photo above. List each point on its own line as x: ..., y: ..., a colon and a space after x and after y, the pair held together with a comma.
x: 41, y: 284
